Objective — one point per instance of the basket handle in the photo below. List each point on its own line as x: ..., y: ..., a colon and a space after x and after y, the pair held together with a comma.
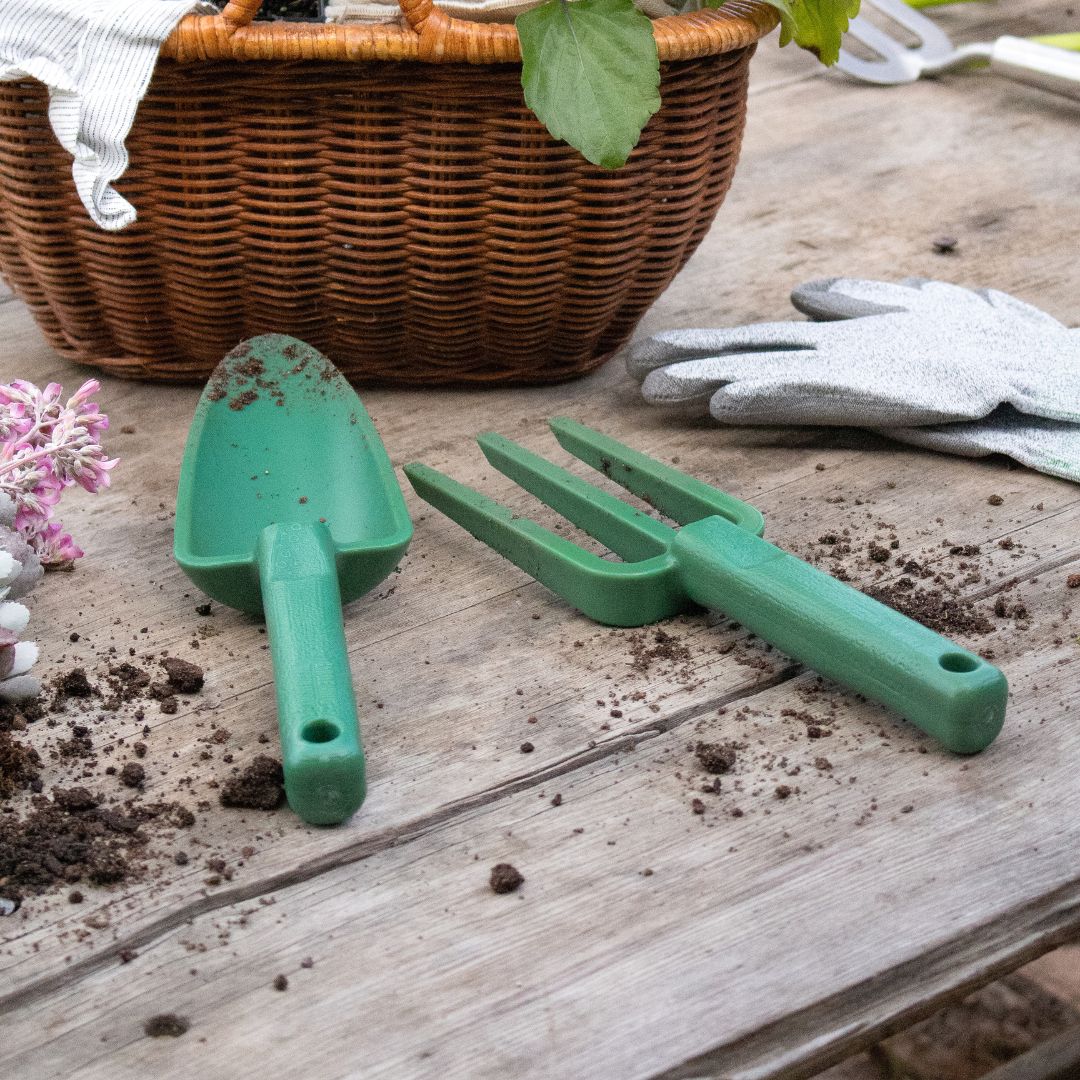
x: 241, y: 12
x: 437, y: 37
x: 417, y: 12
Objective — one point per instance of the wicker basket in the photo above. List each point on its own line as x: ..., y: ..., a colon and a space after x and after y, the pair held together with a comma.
x: 371, y: 190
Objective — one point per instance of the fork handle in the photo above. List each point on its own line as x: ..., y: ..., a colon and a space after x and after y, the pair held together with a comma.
x: 1044, y: 66
x: 945, y: 690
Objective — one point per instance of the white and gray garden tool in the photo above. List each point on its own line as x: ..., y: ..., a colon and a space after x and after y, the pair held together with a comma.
x: 971, y: 372
x: 1018, y: 59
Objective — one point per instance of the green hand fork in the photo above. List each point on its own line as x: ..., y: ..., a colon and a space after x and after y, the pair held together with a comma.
x: 288, y: 507
x: 718, y: 560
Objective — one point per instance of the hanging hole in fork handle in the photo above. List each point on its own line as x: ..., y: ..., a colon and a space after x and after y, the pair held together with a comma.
x: 959, y: 662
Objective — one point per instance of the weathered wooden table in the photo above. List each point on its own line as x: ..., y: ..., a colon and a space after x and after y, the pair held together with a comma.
x: 766, y: 936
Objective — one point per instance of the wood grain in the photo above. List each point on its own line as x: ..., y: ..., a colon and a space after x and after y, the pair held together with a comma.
x: 764, y: 945
x: 736, y: 942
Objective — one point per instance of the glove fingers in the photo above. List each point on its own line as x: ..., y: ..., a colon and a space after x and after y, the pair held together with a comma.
x: 675, y: 346
x: 828, y: 299
x: 1019, y: 308
x: 852, y: 298
x: 1044, y: 445
x: 785, y: 401
x: 824, y: 397
x: 1058, y: 399
x: 696, y: 380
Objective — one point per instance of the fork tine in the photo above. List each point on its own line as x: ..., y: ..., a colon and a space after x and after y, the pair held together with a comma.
x: 892, y: 63
x: 522, y: 541
x: 934, y: 43
x: 618, y: 594
x: 880, y: 72
x: 678, y: 496
x: 876, y: 39
x: 630, y: 533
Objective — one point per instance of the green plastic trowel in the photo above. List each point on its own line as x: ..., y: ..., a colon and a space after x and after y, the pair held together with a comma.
x: 288, y: 507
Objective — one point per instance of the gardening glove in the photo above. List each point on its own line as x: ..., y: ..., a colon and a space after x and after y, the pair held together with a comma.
x: 1048, y: 446
x: 889, y: 356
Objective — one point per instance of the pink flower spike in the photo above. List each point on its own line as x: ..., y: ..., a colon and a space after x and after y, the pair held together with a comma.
x: 21, y: 390
x: 88, y: 388
x: 47, y: 445
x: 13, y: 421
x: 93, y: 474
x: 54, y: 546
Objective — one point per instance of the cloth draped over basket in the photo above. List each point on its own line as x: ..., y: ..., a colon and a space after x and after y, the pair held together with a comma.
x: 380, y: 191
x: 97, y: 60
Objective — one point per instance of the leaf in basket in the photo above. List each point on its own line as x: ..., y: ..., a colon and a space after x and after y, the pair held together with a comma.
x: 591, y: 74
x: 817, y: 25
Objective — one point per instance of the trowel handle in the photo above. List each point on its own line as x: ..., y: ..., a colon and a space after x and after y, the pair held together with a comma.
x: 320, y: 734
x: 950, y: 693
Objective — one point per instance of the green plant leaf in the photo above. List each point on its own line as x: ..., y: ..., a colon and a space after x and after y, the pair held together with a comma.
x: 816, y: 25
x: 591, y: 74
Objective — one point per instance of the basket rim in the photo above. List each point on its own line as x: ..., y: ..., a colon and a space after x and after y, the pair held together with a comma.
x: 432, y: 36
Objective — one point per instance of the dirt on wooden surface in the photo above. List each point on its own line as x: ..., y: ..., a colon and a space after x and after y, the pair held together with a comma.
x: 105, y: 817
x: 81, y: 806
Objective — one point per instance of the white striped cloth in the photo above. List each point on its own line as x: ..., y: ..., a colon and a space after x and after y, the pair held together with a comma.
x: 96, y: 57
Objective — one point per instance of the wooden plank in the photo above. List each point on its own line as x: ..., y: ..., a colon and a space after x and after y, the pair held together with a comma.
x: 460, y: 611
x: 726, y: 958
x: 436, y: 801
x: 434, y: 754
x: 908, y: 472
x: 973, y: 157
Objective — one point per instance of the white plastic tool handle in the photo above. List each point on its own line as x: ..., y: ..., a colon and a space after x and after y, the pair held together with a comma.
x: 1044, y: 66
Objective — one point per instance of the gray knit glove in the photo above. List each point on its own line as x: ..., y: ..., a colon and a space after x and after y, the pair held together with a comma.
x: 1047, y: 446
x: 889, y: 356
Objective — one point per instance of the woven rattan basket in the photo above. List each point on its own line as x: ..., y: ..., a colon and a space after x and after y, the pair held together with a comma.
x: 381, y: 192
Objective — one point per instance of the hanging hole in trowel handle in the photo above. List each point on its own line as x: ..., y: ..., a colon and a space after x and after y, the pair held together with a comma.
x: 320, y: 731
